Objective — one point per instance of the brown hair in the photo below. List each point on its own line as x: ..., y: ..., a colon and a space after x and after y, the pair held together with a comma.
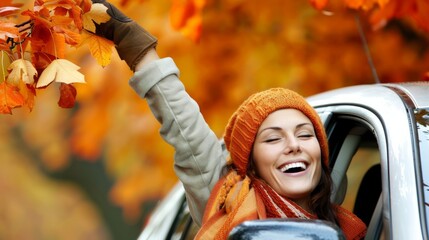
x: 320, y: 199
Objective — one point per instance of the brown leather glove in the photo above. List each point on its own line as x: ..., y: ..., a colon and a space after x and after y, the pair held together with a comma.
x: 131, y: 41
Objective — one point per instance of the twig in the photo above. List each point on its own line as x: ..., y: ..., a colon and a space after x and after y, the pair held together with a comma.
x: 28, y: 29
x: 366, y: 49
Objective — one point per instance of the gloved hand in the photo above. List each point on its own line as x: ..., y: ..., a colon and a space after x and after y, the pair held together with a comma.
x: 131, y: 41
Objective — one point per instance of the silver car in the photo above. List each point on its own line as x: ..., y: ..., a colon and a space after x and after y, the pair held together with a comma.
x: 379, y: 154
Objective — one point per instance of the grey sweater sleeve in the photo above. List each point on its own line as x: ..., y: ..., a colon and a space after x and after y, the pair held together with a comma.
x: 199, y: 155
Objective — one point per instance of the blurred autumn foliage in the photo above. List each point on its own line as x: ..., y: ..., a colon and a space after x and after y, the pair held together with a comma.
x: 105, y: 155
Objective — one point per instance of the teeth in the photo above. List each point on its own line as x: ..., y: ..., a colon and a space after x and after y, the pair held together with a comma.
x: 293, y: 165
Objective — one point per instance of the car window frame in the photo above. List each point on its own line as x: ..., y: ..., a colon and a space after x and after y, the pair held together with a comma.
x: 421, y: 141
x: 374, y: 124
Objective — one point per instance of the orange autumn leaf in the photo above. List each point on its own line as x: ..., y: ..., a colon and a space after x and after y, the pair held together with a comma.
x: 186, y: 16
x: 414, y: 10
x: 56, y: 45
x: 39, y: 17
x: 421, y: 16
x: 100, y: 48
x: 8, y: 29
x: 60, y: 70
x: 9, y: 3
x: 67, y: 96
x: 61, y: 20
x: 382, y: 11
x: 21, y: 70
x: 85, y: 5
x: 10, y: 98
x: 70, y: 37
x: 193, y: 28
x: 60, y: 11
x: 76, y: 13
x: 180, y: 12
x: 29, y: 93
x: 4, y: 11
x: 41, y: 59
x: 48, y: 42
x: 319, y: 4
x: 365, y: 4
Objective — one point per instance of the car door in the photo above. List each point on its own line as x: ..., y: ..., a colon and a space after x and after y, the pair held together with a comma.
x: 389, y: 112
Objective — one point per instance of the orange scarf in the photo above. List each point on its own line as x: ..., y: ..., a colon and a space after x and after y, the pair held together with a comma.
x: 234, y: 200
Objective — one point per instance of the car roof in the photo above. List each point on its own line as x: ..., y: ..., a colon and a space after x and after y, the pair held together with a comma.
x: 418, y: 92
x: 413, y: 94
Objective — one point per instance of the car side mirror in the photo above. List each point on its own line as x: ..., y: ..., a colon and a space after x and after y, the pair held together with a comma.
x: 286, y: 229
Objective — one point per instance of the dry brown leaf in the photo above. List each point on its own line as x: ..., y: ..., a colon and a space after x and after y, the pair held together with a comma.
x: 60, y: 70
x: 21, y: 70
x: 97, y: 14
x: 67, y: 96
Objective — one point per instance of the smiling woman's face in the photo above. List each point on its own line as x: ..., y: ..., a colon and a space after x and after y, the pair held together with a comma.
x: 287, y: 155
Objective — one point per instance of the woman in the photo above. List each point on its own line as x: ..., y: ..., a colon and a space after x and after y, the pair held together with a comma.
x: 278, y: 165
x: 279, y: 168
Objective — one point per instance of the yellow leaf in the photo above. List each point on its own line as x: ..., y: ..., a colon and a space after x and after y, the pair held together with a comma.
x: 4, y: 63
x: 100, y: 48
x: 97, y: 14
x: 60, y: 70
x: 21, y: 70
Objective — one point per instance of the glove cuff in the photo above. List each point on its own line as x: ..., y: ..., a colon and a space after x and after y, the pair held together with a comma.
x: 133, y: 42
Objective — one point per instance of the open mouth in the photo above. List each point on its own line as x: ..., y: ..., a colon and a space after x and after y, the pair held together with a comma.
x: 294, y: 167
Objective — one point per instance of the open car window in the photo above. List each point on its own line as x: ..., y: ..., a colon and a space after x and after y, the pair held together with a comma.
x: 357, y: 149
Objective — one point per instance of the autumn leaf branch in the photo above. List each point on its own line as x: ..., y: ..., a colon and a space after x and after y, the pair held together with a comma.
x: 33, y: 52
x: 28, y: 26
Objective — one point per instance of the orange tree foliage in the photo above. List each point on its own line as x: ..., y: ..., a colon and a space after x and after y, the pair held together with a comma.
x: 32, y: 205
x: 225, y: 50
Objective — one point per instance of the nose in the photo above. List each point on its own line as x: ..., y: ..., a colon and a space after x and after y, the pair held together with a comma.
x: 292, y: 145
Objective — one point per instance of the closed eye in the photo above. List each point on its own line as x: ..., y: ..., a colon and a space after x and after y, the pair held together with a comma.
x: 306, y: 136
x: 271, y: 140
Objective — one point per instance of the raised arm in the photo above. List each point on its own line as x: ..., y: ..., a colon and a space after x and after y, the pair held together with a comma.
x: 198, y: 153
x: 199, y: 156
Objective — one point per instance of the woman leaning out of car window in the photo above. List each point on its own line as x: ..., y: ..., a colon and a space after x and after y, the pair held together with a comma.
x: 278, y: 152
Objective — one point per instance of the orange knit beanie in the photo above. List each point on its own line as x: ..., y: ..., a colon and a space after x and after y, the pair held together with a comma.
x: 244, y: 123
